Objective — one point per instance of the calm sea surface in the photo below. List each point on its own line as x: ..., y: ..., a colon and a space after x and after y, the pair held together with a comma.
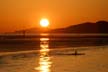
x: 60, y: 58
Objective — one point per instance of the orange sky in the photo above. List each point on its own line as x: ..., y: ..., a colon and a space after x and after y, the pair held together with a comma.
x: 19, y: 14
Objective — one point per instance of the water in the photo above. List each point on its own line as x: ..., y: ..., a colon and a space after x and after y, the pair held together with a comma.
x: 56, y: 59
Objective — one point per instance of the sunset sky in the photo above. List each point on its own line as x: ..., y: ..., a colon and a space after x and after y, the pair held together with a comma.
x: 20, y: 14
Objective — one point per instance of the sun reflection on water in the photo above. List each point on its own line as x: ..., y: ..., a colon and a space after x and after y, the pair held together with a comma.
x: 45, y: 59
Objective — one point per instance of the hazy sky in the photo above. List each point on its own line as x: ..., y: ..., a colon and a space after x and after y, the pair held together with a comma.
x: 19, y: 14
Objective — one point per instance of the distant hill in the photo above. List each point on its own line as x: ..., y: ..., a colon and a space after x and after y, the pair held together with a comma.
x: 88, y: 27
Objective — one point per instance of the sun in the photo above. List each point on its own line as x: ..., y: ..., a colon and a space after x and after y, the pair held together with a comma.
x: 44, y: 22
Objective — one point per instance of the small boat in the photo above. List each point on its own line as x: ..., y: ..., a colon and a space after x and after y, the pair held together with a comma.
x: 75, y: 53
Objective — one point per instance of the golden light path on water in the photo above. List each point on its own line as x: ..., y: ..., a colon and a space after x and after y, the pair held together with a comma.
x: 45, y: 59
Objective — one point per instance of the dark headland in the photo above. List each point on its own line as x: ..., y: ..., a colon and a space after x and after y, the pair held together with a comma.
x: 87, y: 27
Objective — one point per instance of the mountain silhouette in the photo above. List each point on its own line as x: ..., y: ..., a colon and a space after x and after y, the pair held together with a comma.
x: 87, y: 27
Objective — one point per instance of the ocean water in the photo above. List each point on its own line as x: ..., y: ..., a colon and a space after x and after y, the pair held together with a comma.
x: 54, y: 57
x: 94, y: 60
